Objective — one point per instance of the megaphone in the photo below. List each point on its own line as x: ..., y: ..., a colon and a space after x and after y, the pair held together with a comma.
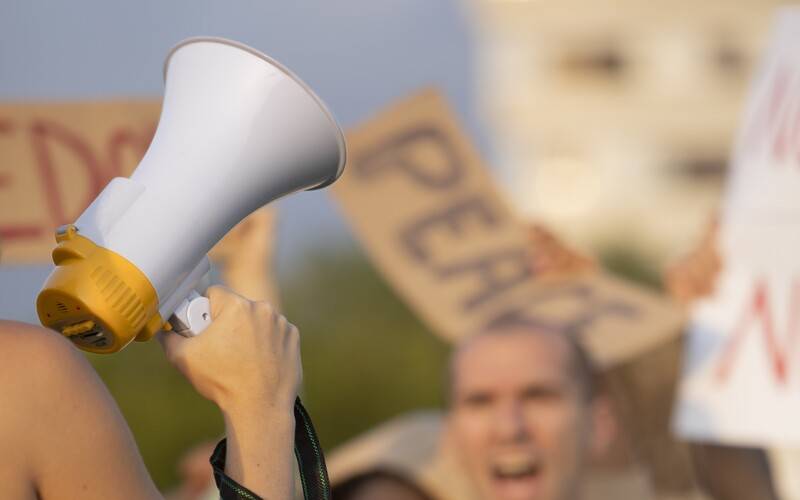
x: 237, y: 131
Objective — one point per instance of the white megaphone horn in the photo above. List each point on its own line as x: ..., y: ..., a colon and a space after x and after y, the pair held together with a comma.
x: 237, y: 131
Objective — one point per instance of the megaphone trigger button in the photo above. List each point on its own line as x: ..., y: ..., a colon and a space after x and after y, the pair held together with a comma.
x: 65, y: 232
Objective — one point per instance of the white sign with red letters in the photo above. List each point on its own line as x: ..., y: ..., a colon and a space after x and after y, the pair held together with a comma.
x: 742, y: 369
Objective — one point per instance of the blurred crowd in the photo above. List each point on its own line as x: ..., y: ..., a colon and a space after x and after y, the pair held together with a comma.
x: 530, y: 416
x: 529, y: 413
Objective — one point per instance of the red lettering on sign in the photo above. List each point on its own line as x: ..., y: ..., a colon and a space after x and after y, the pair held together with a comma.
x: 45, y: 138
x: 16, y: 231
x: 124, y: 138
x: 776, y: 121
x: 45, y: 135
x: 758, y: 317
x: 13, y: 231
x: 8, y: 233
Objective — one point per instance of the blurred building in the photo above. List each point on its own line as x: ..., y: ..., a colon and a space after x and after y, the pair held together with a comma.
x: 613, y: 120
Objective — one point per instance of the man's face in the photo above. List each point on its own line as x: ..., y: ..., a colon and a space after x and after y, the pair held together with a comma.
x: 519, y: 417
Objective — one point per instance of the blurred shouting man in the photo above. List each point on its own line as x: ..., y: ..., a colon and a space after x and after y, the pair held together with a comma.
x: 525, y: 415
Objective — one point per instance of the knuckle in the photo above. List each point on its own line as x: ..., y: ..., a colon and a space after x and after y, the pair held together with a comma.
x: 217, y: 292
x: 220, y: 299
x: 263, y: 315
x: 279, y: 323
x: 263, y: 308
x: 238, y: 304
x: 283, y: 325
x: 293, y: 338
x: 239, y: 299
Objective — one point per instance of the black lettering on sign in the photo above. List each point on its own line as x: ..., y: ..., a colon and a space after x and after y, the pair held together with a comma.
x: 438, y: 169
x: 496, y: 273
x: 589, y: 304
x: 454, y: 219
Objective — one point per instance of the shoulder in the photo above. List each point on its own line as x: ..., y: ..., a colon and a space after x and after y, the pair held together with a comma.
x: 37, y: 364
x: 34, y: 351
x: 47, y: 382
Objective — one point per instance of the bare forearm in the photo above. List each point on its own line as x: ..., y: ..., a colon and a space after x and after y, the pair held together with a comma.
x: 248, y: 363
x: 260, y: 450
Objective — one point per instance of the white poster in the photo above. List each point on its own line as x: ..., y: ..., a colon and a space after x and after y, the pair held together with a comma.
x: 741, y: 381
x: 742, y: 369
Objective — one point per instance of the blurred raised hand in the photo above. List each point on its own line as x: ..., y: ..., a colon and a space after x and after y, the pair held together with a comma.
x: 244, y: 257
x: 694, y: 275
x: 552, y: 258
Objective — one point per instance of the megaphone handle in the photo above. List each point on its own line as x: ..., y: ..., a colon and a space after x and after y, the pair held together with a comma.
x: 192, y: 316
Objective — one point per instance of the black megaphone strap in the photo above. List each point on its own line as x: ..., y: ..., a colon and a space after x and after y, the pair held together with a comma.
x: 310, y: 461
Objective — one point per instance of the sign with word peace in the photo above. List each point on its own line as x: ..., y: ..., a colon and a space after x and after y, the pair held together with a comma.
x: 741, y: 380
x: 428, y: 213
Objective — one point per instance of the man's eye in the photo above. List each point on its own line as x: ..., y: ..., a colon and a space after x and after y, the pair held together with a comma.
x: 541, y: 394
x: 477, y: 400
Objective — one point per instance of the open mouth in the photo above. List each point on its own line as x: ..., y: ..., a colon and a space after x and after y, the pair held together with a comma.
x: 515, y: 472
x: 516, y: 477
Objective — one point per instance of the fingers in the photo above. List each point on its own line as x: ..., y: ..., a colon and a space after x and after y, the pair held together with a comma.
x: 551, y: 256
x: 219, y: 298
x: 172, y: 344
x: 248, y: 345
x: 695, y: 275
x: 226, y: 303
x: 283, y: 326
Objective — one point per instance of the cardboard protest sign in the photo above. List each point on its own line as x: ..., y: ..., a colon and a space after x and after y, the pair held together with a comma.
x: 425, y: 208
x: 54, y: 160
x: 742, y: 369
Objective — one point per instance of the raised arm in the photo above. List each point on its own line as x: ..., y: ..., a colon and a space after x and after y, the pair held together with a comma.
x: 63, y: 436
x: 248, y: 363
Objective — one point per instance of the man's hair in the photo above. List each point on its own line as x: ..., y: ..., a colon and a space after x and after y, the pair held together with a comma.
x: 352, y: 486
x: 580, y: 364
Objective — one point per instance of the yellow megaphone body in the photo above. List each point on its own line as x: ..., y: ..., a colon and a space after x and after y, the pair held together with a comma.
x: 237, y: 131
